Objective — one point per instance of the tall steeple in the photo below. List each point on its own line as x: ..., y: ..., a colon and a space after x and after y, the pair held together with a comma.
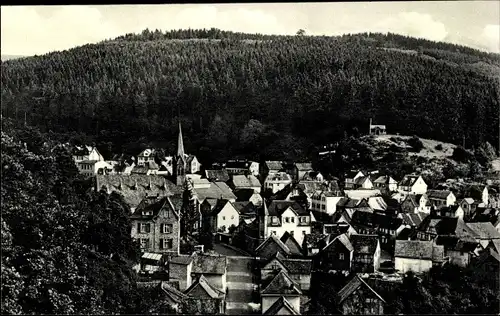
x: 180, y: 143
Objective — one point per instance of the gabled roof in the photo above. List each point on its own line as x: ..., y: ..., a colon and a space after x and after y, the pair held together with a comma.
x: 219, y: 206
x: 303, y: 166
x: 277, y: 207
x: 484, y: 230
x: 361, y: 180
x: 352, y: 173
x: 280, y: 176
x: 293, y: 266
x: 216, y: 190
x: 217, y: 175
x: 377, y: 203
x: 446, y: 226
x: 438, y: 194
x: 344, y: 239
x: 211, y: 290
x: 280, y: 304
x: 276, y: 240
x: 154, y: 205
x: 244, y: 194
x: 418, y: 249
x: 208, y: 264
x: 282, y: 284
x: 409, y: 180
x: 291, y: 243
x: 413, y: 219
x: 242, y: 181
x: 274, y: 165
x: 364, y: 244
x: 469, y: 200
x: 245, y: 208
x: 352, y: 286
x: 172, y: 292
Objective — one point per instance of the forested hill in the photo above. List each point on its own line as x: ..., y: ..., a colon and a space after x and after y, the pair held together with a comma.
x: 255, y: 94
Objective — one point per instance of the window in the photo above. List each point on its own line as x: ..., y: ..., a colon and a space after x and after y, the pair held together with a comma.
x: 232, y: 216
x: 323, y: 207
x: 169, y: 243
x: 292, y: 219
x: 144, y: 228
x: 144, y: 243
x: 287, y: 219
x: 167, y: 228
x: 341, y: 256
x: 303, y: 232
x: 223, y: 218
x: 303, y: 219
x: 274, y: 220
x: 273, y: 232
x: 275, y: 267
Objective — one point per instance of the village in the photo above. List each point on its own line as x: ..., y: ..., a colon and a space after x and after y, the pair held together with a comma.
x: 244, y: 237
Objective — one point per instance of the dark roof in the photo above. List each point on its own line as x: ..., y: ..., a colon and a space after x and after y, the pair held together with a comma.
x: 154, y: 205
x: 364, y: 244
x: 242, y: 181
x: 409, y: 180
x: 351, y: 174
x: 344, y: 239
x: 173, y: 292
x: 418, y: 249
x: 245, y: 208
x: 219, y: 206
x: 274, y: 239
x: 291, y: 243
x: 216, y: 190
x: 277, y: 207
x: 181, y: 259
x: 370, y: 219
x: 274, y: 165
x: 278, y: 305
x: 207, y: 264
x: 238, y: 164
x: 352, y: 286
x: 361, y: 180
x: 244, y: 194
x: 413, y: 219
x: 303, y: 166
x: 406, y: 234
x: 135, y: 187
x: 202, y: 282
x: 438, y: 194
x: 282, y: 284
x: 294, y: 266
x: 217, y: 175
x: 447, y: 226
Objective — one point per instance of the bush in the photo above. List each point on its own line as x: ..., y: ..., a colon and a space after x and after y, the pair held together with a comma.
x: 461, y: 154
x: 416, y: 144
x: 439, y: 147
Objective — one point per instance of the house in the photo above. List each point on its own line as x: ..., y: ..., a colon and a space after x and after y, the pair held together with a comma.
x: 377, y: 129
x: 86, y: 153
x: 285, y: 216
x: 179, y: 270
x: 151, y: 263
x: 192, y: 164
x: 147, y: 168
x: 217, y: 175
x: 363, y: 182
x: 312, y: 176
x: 440, y: 198
x: 478, y: 193
x: 417, y: 255
x: 337, y: 255
x: 270, y: 167
x: 301, y: 169
x: 358, y: 298
x: 412, y: 220
x: 245, y: 182
x: 413, y: 184
x: 203, y: 189
x: 242, y: 167
x: 248, y: 195
x: 351, y: 177
x: 469, y: 207
x: 281, y: 307
x: 277, y: 181
x: 366, y: 257
x: 156, y: 224
x: 222, y: 216
x: 269, y: 247
x: 281, y: 285
x: 213, y: 268
x: 247, y: 209
x: 204, y: 298
x: 145, y: 156
x: 93, y: 167
x: 325, y: 201
x: 451, y: 211
x: 298, y: 270
x: 386, y: 183
x: 134, y: 188
x: 485, y: 232
x: 416, y: 203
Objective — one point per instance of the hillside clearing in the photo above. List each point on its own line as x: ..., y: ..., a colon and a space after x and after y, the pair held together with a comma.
x: 429, y: 150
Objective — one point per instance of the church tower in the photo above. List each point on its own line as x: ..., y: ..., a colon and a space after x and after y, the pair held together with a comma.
x: 179, y: 169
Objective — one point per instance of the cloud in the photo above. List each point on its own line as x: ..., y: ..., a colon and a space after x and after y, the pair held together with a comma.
x: 413, y: 24
x: 490, y: 37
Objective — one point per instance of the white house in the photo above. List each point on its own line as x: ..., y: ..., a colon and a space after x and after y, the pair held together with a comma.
x: 351, y: 177
x: 417, y: 255
x: 224, y: 216
x: 440, y: 198
x: 277, y: 181
x: 285, y: 216
x: 145, y: 156
x: 93, y: 167
x: 413, y: 184
x: 281, y: 286
x: 385, y: 182
x: 193, y: 165
x: 86, y: 153
x: 325, y: 201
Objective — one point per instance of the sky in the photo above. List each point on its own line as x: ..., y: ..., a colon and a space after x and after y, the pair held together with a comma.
x: 36, y: 30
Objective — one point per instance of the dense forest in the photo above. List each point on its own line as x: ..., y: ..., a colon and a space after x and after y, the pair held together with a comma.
x: 257, y: 96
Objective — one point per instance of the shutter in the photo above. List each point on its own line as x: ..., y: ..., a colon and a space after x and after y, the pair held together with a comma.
x: 139, y: 228
x: 148, y: 228
x: 161, y: 242
x: 161, y: 228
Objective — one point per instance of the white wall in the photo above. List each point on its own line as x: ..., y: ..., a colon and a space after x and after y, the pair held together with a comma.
x: 227, y: 216
x: 268, y: 301
x: 419, y: 187
x: 290, y: 227
x: 416, y: 265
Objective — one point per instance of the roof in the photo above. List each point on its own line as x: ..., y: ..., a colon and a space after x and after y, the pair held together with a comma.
x: 415, y: 249
x: 351, y: 174
x: 344, y: 239
x: 238, y: 164
x: 362, y: 193
x: 377, y: 203
x: 135, y: 187
x: 151, y: 256
x: 469, y: 200
x: 304, y: 166
x: 216, y: 190
x: 438, y: 194
x: 244, y: 194
x: 294, y: 266
x: 217, y: 175
x: 291, y: 243
x: 364, y: 244
x: 352, y: 286
x: 282, y: 284
x: 280, y: 304
x: 172, y: 292
x: 153, y: 205
x: 446, y: 226
x: 413, y: 219
x: 484, y: 230
x: 409, y: 180
x: 277, y: 207
x: 219, y: 206
x: 245, y: 208
x: 274, y: 165
x: 182, y: 259
x: 202, y: 282
x: 207, y: 264
x: 82, y: 150
x: 383, y: 179
x: 276, y: 240
x: 241, y: 181
x: 280, y: 176
x: 361, y: 180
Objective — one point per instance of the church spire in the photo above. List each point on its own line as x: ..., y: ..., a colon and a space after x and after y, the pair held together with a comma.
x: 180, y: 143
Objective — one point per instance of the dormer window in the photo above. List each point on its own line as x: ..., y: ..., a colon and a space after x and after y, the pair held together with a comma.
x: 147, y: 213
x: 274, y: 220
